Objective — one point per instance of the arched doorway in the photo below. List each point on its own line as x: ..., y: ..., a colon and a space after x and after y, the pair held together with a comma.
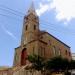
x: 23, y: 56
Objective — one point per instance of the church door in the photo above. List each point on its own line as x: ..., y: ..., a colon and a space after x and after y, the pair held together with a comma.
x: 23, y: 57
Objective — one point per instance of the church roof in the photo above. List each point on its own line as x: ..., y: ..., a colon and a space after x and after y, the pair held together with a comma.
x: 44, y: 32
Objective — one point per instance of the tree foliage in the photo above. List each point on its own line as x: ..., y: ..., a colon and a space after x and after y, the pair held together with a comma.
x: 37, y: 61
x: 57, y: 64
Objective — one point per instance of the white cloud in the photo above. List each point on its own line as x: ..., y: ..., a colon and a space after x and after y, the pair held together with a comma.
x: 9, y: 33
x: 65, y: 9
x: 43, y: 8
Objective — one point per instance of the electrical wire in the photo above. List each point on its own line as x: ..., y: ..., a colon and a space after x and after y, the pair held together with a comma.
x: 17, y: 13
x: 10, y: 17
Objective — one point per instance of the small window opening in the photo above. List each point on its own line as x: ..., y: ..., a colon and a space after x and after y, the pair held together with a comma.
x: 26, y: 27
x: 34, y: 27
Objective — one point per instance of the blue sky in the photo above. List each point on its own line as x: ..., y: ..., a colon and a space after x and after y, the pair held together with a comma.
x: 56, y: 16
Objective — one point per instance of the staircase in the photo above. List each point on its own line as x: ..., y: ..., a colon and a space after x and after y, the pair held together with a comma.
x: 22, y: 71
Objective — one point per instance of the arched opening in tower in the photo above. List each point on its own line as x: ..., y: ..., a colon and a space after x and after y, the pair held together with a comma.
x: 23, y: 57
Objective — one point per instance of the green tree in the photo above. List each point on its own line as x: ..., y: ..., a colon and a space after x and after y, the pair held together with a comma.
x: 72, y: 64
x: 57, y: 64
x: 37, y: 62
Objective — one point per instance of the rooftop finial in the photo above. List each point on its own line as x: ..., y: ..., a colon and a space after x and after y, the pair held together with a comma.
x: 32, y: 8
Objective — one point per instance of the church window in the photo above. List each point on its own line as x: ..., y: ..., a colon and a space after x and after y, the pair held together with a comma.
x: 54, y: 50
x: 42, y: 51
x: 66, y: 52
x: 34, y: 27
x: 26, y: 27
x: 59, y: 52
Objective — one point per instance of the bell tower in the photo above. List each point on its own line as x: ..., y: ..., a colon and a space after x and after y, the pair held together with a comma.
x: 29, y: 35
x: 30, y: 26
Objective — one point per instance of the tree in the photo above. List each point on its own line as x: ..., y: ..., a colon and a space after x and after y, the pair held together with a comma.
x: 37, y: 62
x: 72, y: 64
x: 54, y: 64
x: 57, y: 64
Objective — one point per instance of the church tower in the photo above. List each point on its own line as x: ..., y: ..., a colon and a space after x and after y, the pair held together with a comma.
x: 30, y: 26
x: 29, y: 37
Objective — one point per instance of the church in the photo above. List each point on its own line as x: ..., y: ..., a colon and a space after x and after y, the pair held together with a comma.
x: 35, y: 41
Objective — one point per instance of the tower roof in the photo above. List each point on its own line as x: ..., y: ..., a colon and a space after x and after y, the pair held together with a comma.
x: 32, y: 8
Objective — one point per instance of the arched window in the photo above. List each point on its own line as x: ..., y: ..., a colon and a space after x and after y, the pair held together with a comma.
x: 66, y: 52
x: 34, y: 27
x: 42, y: 51
x: 26, y: 27
x: 69, y: 54
x: 54, y: 50
x: 59, y: 51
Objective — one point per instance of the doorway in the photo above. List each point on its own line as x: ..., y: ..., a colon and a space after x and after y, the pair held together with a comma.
x: 23, y: 56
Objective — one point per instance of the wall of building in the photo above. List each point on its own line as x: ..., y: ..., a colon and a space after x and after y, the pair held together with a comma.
x: 55, y: 47
x: 17, y: 56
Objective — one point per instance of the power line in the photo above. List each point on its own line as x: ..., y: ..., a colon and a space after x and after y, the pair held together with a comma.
x: 54, y: 29
x: 45, y: 25
x: 11, y: 9
x: 10, y: 12
x: 10, y: 17
x: 19, y: 14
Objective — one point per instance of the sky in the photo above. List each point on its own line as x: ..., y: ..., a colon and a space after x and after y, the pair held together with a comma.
x: 55, y: 16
